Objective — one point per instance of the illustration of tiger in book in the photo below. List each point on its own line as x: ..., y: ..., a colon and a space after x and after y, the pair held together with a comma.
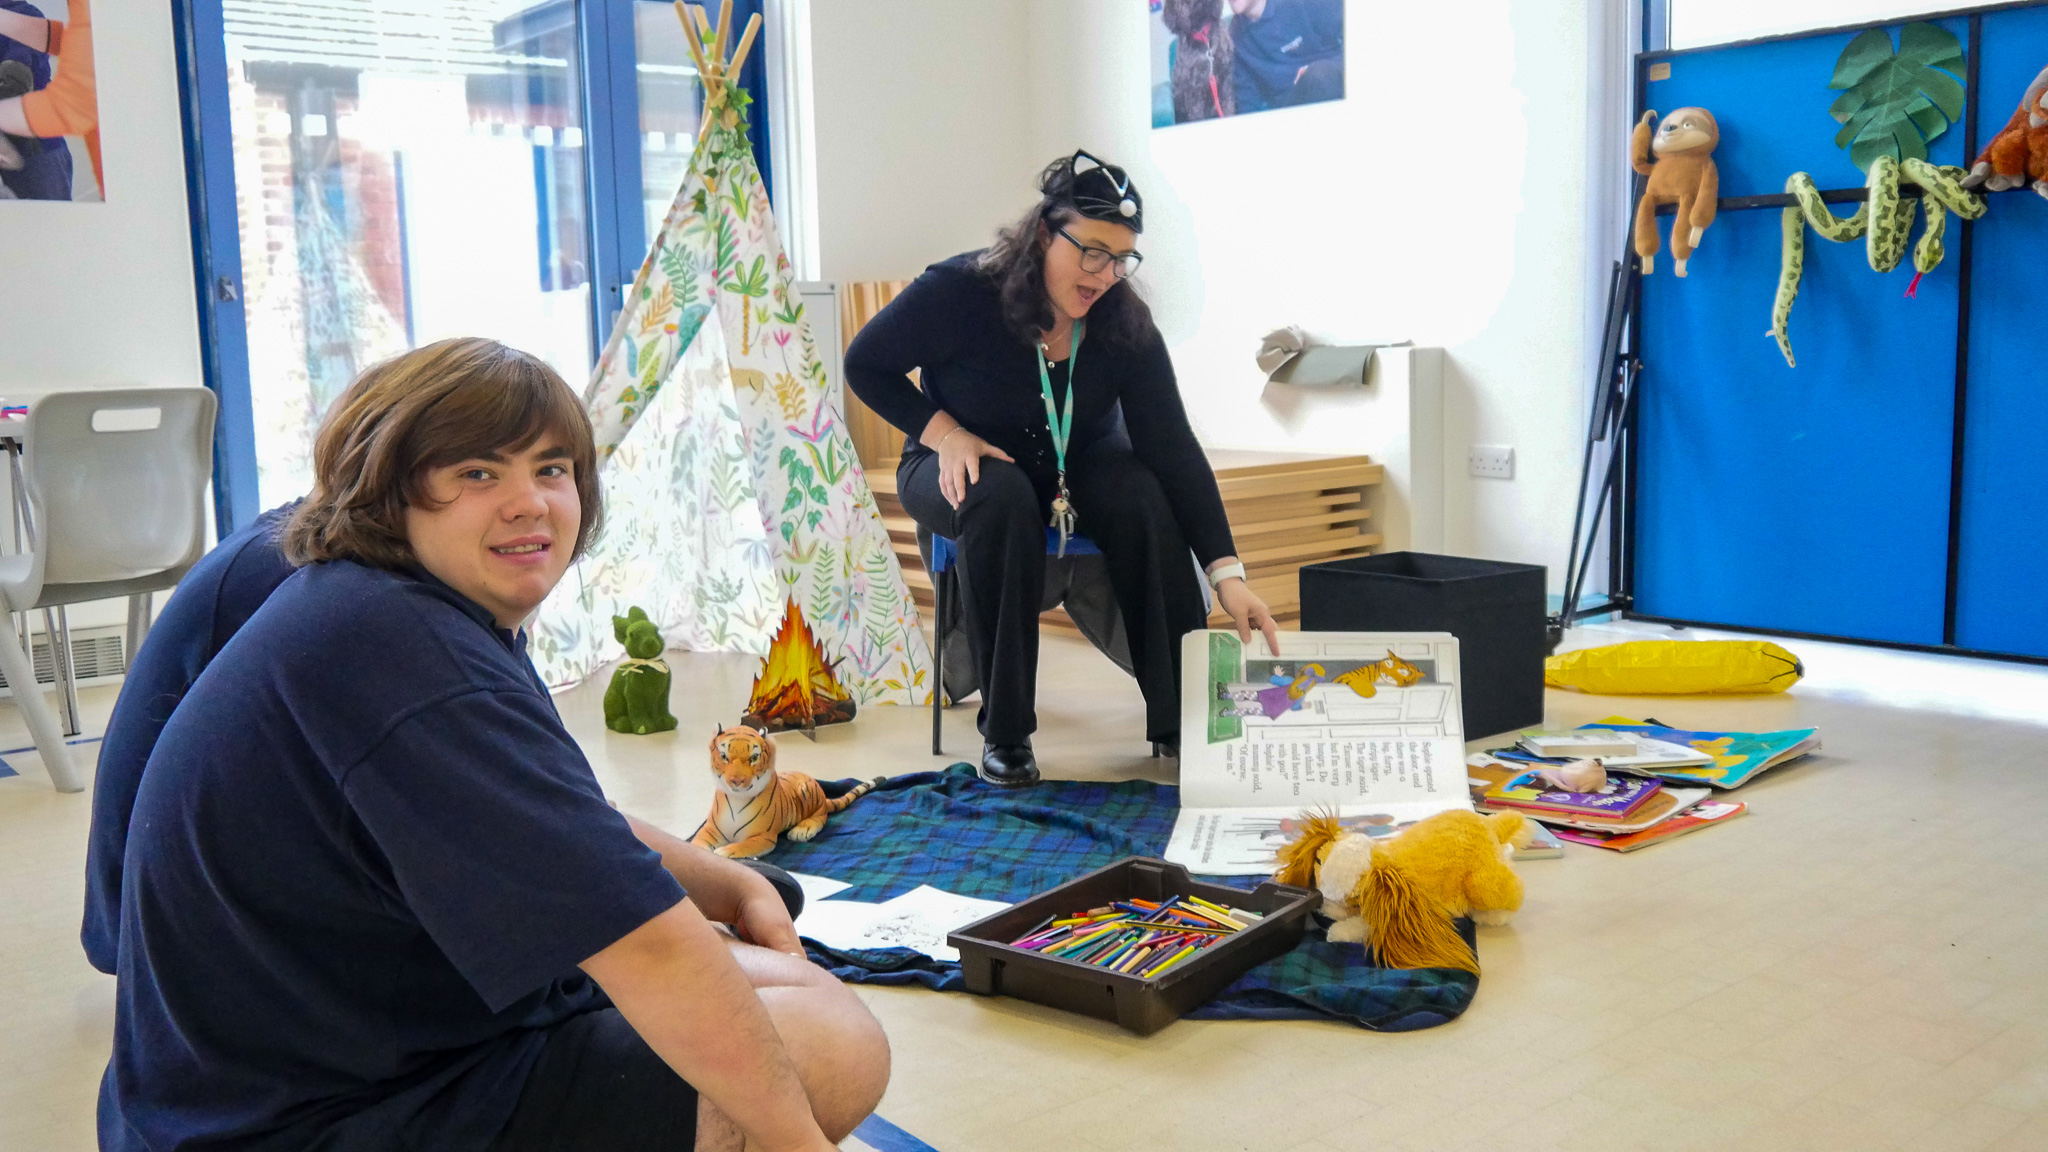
x: 1365, y: 679
x: 756, y: 805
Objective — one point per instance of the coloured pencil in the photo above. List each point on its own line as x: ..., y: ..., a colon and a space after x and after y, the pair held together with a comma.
x: 1136, y: 936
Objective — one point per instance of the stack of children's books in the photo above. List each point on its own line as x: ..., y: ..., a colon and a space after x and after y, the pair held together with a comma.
x: 1659, y: 785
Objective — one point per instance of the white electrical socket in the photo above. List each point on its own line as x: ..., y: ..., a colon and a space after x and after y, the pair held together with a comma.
x: 1492, y: 461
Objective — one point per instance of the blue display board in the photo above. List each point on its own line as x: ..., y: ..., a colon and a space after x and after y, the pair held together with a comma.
x: 1817, y: 499
x: 2002, y: 554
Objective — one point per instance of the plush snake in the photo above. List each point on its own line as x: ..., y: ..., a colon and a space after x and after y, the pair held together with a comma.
x: 1885, y: 221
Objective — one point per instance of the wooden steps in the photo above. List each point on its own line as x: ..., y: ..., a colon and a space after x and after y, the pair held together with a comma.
x: 1285, y: 511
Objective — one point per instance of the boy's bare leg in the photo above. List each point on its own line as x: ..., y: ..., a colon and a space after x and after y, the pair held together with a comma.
x: 837, y: 1045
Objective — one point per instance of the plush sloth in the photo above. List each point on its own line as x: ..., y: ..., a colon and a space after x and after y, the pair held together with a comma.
x: 1679, y: 160
x: 2019, y: 153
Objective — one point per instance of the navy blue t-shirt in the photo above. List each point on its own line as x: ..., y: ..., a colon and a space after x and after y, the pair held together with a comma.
x: 1272, y: 50
x: 364, y: 863
x: 211, y: 604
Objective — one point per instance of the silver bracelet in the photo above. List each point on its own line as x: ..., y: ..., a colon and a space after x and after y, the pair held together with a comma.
x: 948, y: 436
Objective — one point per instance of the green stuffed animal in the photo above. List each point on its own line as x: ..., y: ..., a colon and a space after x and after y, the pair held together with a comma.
x: 636, y: 701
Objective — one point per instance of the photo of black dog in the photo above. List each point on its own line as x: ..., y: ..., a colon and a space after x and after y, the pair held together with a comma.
x: 1202, y: 55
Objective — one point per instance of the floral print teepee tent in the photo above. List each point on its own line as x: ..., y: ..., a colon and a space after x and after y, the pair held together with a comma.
x: 731, y: 488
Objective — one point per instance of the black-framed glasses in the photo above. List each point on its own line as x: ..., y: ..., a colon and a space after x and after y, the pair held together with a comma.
x: 1095, y: 259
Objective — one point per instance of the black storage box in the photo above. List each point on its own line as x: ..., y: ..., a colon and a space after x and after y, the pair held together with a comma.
x: 993, y: 967
x: 1496, y: 610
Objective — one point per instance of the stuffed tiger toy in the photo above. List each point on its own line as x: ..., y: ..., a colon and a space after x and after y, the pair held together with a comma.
x: 756, y: 804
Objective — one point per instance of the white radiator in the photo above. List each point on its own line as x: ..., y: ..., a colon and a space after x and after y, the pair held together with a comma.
x: 98, y: 656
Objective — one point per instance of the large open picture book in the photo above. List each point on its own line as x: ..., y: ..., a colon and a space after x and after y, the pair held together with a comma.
x: 1363, y: 725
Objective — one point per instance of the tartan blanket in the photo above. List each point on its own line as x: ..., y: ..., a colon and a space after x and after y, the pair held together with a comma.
x: 950, y: 830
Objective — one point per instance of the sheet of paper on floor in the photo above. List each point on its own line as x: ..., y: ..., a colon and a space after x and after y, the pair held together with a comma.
x: 818, y: 887
x: 840, y: 924
x: 919, y: 920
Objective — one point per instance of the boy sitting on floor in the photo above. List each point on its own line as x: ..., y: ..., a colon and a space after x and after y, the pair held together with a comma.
x: 371, y: 888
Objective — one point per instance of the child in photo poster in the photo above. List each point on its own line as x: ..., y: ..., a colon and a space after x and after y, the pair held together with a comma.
x: 1287, y: 52
x: 47, y: 92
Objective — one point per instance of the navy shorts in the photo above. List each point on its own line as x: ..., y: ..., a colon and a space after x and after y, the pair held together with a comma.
x: 598, y: 1087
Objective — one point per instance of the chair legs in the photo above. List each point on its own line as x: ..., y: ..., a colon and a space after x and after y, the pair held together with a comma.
x: 139, y: 606
x: 939, y: 582
x: 58, y: 632
x: 42, y: 725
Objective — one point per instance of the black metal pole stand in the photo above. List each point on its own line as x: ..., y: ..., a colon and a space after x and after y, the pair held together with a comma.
x: 1613, y: 401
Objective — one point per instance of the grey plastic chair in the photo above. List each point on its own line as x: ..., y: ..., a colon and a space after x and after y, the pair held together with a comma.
x: 115, y: 481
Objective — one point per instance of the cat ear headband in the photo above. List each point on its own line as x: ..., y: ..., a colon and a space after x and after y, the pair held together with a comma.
x: 1104, y: 192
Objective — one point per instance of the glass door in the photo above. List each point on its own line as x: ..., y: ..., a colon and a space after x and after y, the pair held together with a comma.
x: 404, y: 172
x: 367, y: 176
x: 671, y: 104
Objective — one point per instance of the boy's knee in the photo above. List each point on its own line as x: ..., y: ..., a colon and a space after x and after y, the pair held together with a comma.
x: 841, y: 1053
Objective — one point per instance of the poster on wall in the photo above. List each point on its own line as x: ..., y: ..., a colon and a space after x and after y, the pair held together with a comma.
x: 1213, y: 58
x: 49, y: 104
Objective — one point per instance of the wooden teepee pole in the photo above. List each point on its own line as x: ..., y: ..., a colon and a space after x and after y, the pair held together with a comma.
x: 715, y: 70
x: 739, y: 55
x: 724, y: 40
x: 693, y: 39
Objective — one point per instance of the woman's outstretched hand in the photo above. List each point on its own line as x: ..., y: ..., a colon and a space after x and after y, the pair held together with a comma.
x: 1249, y: 612
x: 960, y: 453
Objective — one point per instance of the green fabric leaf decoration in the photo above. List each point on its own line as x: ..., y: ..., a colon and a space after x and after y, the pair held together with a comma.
x: 1896, y: 103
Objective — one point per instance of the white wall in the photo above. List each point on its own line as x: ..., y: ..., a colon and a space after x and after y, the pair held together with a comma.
x: 100, y: 295
x: 1446, y: 200
x: 923, y: 121
x: 1451, y: 199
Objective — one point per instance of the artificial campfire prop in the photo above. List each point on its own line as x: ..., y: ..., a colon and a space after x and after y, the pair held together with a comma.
x: 795, y: 688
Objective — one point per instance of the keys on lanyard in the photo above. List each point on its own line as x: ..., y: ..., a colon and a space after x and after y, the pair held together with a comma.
x: 1061, y: 424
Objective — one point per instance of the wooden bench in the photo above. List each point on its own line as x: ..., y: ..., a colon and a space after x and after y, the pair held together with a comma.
x: 1285, y: 511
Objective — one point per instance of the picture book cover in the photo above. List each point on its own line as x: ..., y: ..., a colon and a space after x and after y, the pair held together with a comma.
x: 1484, y: 772
x: 1701, y: 815
x: 1366, y: 726
x: 1582, y: 742
x: 1543, y: 844
x: 1622, y: 796
x: 1738, y: 757
x: 1646, y: 757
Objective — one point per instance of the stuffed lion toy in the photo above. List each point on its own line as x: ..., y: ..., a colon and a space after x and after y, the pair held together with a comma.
x: 1399, y: 894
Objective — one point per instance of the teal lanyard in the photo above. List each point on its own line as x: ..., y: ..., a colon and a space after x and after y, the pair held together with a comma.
x: 1061, y: 425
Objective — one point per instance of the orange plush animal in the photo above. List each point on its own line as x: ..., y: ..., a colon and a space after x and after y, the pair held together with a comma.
x: 1399, y: 894
x: 1679, y: 160
x: 2019, y: 153
x: 756, y: 804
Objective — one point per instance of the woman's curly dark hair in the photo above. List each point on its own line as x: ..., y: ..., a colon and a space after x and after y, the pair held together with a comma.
x: 1016, y: 263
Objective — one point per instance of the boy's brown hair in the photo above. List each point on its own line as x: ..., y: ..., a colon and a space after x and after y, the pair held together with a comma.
x: 450, y: 401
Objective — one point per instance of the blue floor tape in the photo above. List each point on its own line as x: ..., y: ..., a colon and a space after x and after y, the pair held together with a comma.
x: 7, y: 769
x: 883, y: 1136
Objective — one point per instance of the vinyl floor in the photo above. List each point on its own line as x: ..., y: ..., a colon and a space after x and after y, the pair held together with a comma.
x: 1861, y: 962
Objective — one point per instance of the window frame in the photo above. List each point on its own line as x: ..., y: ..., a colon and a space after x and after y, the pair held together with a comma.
x: 610, y: 106
x: 1658, y: 24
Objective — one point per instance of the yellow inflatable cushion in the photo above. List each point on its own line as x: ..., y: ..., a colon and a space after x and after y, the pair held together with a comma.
x: 1676, y: 668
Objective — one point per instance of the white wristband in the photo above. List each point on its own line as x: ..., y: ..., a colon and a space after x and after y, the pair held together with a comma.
x: 1225, y: 572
